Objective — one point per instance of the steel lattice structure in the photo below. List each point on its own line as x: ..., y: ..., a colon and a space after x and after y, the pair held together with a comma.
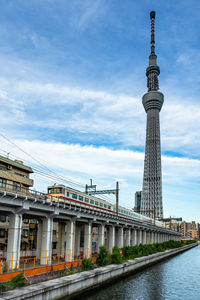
x: 151, y: 202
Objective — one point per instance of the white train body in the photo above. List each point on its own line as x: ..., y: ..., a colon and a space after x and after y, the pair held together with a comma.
x: 61, y: 193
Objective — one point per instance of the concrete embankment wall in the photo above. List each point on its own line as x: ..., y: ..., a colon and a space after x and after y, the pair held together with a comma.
x: 71, y: 285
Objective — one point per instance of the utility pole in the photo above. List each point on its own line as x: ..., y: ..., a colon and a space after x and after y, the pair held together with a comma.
x: 90, y: 187
x: 91, y: 190
x: 117, y: 197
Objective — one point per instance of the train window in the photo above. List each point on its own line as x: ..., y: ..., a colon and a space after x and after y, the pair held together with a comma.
x: 96, y: 203
x: 109, y: 207
x: 91, y: 201
x: 80, y: 198
x: 67, y: 194
x: 101, y: 204
x: 105, y: 205
x: 86, y: 200
x: 55, y: 190
x: 74, y: 196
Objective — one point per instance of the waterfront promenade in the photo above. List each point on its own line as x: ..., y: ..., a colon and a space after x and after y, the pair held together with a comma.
x: 76, y: 284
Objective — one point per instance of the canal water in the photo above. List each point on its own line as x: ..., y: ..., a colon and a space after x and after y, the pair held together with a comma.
x: 177, y: 278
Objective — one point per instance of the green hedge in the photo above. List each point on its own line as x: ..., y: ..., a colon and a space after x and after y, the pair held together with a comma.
x: 131, y: 252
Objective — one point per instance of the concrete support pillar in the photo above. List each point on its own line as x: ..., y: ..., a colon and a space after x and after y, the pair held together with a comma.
x: 144, y: 241
x: 148, y: 237
x: 133, y: 233
x: 61, y: 239
x: 14, y: 241
x: 111, y: 238
x: 136, y: 237
x: 88, y: 240
x: 39, y: 240
x: 77, y: 241
x: 124, y: 237
x: 46, y: 245
x: 152, y: 237
x: 160, y: 237
x: 120, y: 237
x: 70, y: 236
x: 157, y: 237
x: 128, y: 237
x: 101, y: 229
x: 140, y: 237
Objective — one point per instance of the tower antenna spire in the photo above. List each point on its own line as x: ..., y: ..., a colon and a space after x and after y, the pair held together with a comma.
x: 153, y: 70
x: 152, y: 17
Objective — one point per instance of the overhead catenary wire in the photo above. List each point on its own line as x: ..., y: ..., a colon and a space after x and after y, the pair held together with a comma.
x: 44, y: 166
x: 51, y: 175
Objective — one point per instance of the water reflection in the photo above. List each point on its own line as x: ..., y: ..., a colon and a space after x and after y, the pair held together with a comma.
x: 175, y: 279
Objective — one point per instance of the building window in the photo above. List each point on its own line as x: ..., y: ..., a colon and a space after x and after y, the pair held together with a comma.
x: 2, y: 233
x: 3, y: 182
x: 74, y: 196
x: 3, y: 168
x: 22, y: 175
x: 3, y: 219
x: 16, y: 186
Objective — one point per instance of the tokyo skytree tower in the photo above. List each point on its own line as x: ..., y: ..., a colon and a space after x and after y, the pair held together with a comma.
x: 151, y: 200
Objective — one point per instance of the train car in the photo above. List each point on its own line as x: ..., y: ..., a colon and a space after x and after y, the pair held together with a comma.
x: 63, y: 194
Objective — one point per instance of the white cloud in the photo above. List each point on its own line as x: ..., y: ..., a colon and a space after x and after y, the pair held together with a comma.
x: 117, y: 116
x: 105, y: 166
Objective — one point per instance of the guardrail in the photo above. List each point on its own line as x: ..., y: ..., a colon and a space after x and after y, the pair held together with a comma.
x: 66, y: 202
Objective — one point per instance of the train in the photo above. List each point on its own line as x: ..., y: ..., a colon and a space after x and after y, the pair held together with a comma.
x: 62, y: 193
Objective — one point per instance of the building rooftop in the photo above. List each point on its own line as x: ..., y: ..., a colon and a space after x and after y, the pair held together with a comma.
x: 16, y: 163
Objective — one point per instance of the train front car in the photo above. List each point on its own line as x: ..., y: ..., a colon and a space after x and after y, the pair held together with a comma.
x: 63, y: 194
x: 55, y: 192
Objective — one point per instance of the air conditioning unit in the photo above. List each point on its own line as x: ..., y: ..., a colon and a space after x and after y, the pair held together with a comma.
x: 9, y: 167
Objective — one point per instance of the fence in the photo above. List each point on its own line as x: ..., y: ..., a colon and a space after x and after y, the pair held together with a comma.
x: 31, y: 267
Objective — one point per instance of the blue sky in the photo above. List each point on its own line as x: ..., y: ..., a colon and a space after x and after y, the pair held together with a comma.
x: 72, y: 75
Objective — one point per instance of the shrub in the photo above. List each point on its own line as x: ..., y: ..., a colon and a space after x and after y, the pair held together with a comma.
x: 87, y: 264
x: 2, y: 288
x: 116, y: 256
x: 126, y: 251
x: 71, y: 270
x: 103, y: 256
x: 18, y: 281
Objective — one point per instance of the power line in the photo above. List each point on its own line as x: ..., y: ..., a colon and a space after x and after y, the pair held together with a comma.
x: 41, y: 164
x: 40, y: 172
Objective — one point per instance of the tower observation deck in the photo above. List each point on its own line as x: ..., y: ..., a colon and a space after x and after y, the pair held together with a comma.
x: 151, y: 200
